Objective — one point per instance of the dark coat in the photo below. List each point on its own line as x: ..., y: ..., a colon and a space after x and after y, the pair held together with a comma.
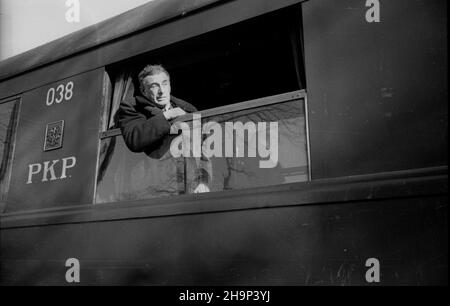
x: 144, y: 127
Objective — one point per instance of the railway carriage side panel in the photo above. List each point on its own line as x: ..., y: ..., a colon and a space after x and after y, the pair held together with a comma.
x: 321, y: 244
x: 57, y: 140
x: 377, y: 91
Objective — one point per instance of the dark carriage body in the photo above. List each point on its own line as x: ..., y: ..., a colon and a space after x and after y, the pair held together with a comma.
x: 375, y: 105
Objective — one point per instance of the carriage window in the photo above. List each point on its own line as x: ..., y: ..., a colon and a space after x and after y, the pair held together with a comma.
x: 256, y: 58
x: 247, y: 82
x: 7, y: 124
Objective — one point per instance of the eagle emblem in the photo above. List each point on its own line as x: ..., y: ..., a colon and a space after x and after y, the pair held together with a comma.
x: 54, y: 135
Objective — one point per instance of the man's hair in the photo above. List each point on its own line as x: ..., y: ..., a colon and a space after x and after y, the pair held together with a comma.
x: 151, y: 70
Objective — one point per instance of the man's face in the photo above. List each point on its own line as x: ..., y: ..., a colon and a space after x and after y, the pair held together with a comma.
x: 157, y: 88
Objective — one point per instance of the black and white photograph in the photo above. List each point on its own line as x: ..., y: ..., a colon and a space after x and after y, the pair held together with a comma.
x: 223, y: 148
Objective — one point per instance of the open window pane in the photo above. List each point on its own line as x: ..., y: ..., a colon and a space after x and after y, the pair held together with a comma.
x: 284, y: 161
x: 124, y: 175
x: 243, y: 161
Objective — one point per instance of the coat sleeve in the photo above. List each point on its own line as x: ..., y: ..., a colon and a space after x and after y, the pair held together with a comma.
x: 139, y: 132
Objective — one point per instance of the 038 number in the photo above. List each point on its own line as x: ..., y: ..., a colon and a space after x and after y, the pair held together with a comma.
x: 61, y: 93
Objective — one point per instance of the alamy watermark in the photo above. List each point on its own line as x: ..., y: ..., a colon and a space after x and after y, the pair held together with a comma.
x: 73, y: 13
x: 73, y: 273
x: 373, y: 273
x: 190, y: 143
x: 373, y: 13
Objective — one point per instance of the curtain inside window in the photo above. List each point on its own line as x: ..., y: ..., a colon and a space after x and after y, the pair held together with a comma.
x: 121, y: 87
x: 296, y: 36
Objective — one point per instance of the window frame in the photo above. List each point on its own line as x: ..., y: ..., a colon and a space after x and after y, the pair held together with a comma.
x: 5, y: 183
x: 108, y: 131
x: 245, y: 105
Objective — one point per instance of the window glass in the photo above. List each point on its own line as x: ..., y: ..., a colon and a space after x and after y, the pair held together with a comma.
x: 7, y: 111
x: 124, y: 175
x: 286, y: 159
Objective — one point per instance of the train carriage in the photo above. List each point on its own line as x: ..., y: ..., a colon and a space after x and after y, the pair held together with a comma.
x: 358, y: 93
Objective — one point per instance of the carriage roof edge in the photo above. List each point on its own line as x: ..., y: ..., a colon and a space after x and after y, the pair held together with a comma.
x: 147, y: 15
